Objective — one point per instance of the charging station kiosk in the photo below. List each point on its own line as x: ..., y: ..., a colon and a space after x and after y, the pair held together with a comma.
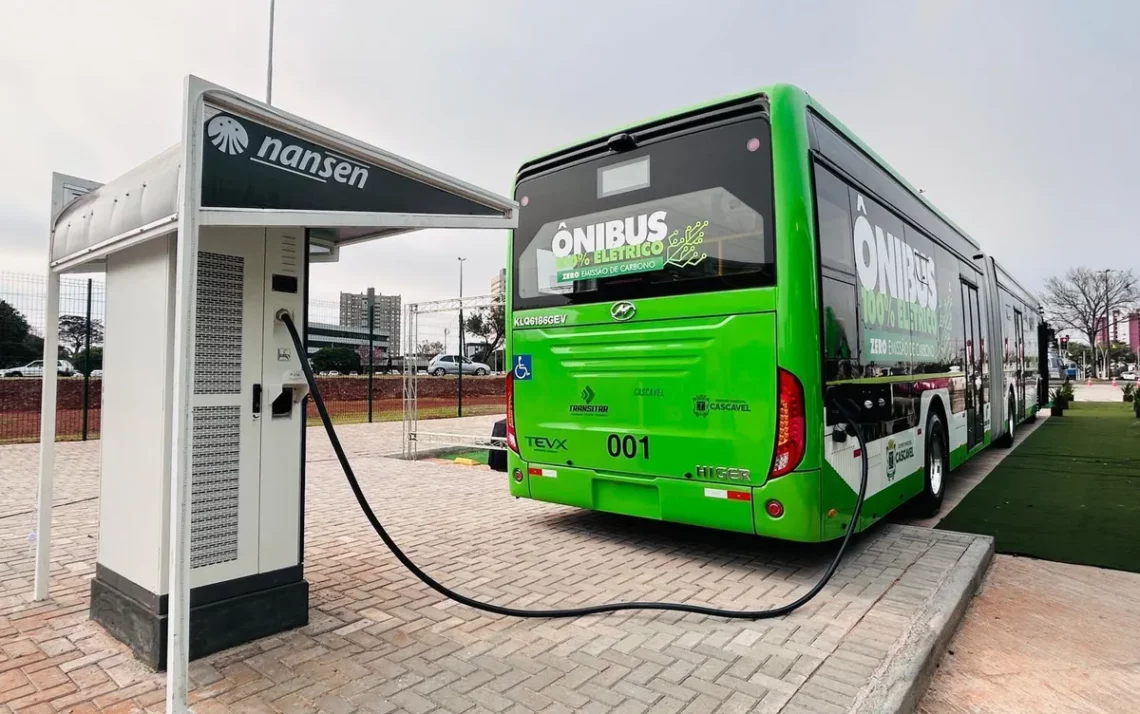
x: 201, y: 515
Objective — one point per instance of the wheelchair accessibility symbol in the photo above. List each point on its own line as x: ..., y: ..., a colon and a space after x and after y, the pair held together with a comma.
x: 522, y: 368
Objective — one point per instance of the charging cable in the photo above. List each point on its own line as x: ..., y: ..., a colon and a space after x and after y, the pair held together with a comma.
x: 447, y: 592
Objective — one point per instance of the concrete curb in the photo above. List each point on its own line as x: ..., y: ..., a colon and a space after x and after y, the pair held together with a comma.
x: 907, y: 675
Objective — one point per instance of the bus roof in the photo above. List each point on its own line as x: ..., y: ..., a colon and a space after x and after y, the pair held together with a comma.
x: 774, y: 90
x: 1006, y: 280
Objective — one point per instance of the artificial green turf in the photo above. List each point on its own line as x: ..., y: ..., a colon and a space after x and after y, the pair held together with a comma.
x: 1069, y: 493
x: 479, y: 456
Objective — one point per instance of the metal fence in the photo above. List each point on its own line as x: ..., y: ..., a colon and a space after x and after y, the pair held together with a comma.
x: 350, y: 398
x: 80, y: 328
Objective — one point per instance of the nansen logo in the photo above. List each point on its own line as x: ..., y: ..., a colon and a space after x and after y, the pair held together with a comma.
x: 886, y: 263
x: 227, y: 135
x: 646, y: 229
x: 316, y: 165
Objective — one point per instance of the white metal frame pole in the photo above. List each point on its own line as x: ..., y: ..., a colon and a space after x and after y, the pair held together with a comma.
x: 47, y: 436
x: 182, y: 418
x: 269, y: 63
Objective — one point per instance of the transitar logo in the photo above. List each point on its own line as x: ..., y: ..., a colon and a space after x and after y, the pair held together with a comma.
x: 227, y: 135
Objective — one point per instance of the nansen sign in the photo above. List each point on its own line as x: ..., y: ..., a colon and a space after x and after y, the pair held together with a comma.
x: 246, y: 164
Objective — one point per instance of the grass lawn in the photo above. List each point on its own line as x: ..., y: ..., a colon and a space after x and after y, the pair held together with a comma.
x: 1069, y: 493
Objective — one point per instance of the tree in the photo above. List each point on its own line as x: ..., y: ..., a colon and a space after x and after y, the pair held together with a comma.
x: 73, y: 333
x: 18, y: 344
x: 489, y: 324
x: 429, y: 347
x: 96, y: 360
x: 1119, y: 352
x: 340, y: 359
x: 1083, y: 299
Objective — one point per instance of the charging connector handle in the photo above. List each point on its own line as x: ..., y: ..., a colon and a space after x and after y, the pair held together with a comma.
x: 576, y: 611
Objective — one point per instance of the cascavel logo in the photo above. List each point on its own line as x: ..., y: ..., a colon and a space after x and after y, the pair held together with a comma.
x: 227, y: 135
x: 891, y: 459
x: 703, y: 405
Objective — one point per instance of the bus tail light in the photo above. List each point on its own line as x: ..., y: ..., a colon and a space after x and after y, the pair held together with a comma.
x: 790, y: 427
x: 512, y: 437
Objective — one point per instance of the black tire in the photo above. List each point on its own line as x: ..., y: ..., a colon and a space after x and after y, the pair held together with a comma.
x: 1007, y: 439
x: 15, y: 374
x: 496, y: 458
x: 480, y: 372
x: 439, y: 372
x: 937, y: 467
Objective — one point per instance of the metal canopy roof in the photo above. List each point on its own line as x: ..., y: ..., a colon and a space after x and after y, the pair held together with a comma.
x: 257, y: 165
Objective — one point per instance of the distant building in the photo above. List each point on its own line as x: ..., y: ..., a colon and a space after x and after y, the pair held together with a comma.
x: 386, y: 315
x: 354, y: 338
x: 499, y: 283
x: 1124, y: 327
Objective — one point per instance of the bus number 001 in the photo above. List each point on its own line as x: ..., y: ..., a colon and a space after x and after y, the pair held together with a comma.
x: 627, y: 446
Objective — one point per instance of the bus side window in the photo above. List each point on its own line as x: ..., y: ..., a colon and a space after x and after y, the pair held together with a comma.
x: 833, y: 215
x: 840, y: 335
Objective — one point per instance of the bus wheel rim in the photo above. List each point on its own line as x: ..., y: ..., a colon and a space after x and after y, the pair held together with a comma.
x: 936, y: 465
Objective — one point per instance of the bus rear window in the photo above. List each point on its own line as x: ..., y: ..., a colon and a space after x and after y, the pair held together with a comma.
x: 695, y: 216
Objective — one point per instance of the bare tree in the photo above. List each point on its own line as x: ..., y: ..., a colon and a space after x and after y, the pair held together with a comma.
x: 1083, y: 299
x: 490, y: 324
x: 73, y: 332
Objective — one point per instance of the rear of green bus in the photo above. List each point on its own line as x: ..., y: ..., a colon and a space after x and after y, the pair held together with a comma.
x: 646, y: 372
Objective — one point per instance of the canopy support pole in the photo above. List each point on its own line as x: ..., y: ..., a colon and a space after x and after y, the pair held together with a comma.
x: 182, y: 416
x: 47, y: 437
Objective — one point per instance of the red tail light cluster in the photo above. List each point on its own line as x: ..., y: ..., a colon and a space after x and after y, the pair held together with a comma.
x: 790, y: 427
x: 512, y: 437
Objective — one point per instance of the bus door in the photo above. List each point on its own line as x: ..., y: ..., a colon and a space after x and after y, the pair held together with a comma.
x: 1019, y: 363
x: 975, y: 410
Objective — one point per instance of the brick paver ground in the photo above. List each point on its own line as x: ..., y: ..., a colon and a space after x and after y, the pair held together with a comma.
x: 378, y: 641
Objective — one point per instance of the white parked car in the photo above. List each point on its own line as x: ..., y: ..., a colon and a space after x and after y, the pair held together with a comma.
x: 449, y: 364
x: 1130, y: 375
x: 36, y: 369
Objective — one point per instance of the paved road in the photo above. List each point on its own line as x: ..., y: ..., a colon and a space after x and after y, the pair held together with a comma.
x: 1040, y: 636
x: 1097, y: 392
x: 1044, y: 637
x: 378, y: 641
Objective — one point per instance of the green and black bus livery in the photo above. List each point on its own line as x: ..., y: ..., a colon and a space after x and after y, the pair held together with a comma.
x: 690, y: 296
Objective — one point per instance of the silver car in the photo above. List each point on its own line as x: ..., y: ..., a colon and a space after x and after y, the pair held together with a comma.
x: 450, y: 364
x: 36, y: 369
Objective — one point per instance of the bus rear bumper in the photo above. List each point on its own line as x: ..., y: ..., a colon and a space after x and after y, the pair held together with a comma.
x: 741, y: 509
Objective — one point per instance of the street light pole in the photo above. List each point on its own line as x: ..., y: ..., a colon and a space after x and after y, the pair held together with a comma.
x: 1107, y: 322
x: 460, y: 351
x: 370, y: 303
x: 269, y: 64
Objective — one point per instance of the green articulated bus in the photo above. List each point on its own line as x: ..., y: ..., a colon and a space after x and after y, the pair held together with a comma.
x: 689, y: 297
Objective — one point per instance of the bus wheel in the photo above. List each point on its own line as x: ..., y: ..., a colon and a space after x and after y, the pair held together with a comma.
x: 937, y: 468
x: 1012, y: 420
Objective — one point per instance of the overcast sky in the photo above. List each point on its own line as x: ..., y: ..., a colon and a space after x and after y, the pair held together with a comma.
x: 1017, y: 118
